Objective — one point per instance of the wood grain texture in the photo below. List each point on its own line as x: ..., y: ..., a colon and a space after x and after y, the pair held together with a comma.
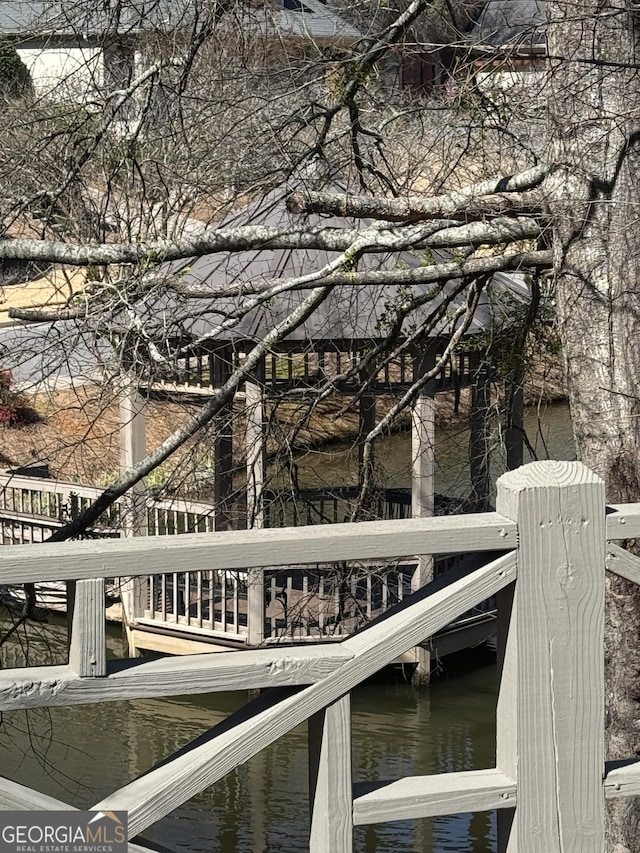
x: 623, y: 521
x: 330, y: 784
x: 14, y: 796
x: 428, y: 796
x: 276, y: 712
x: 255, y: 607
x: 43, y: 686
x: 622, y: 563
x: 507, y: 705
x: 88, y: 650
x: 560, y: 511
x: 237, y: 549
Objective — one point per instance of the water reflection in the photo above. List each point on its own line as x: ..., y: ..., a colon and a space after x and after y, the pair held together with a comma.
x: 549, y: 436
x: 81, y: 754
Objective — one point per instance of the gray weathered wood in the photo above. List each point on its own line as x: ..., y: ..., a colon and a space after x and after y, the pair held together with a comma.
x: 133, y: 506
x: 559, y: 678
x: 240, y: 549
x: 133, y: 446
x: 263, y: 721
x: 330, y: 782
x: 423, y: 455
x: 623, y: 521
x: 507, y: 705
x: 622, y: 779
x: 43, y: 686
x: 255, y: 607
x: 622, y: 563
x: 427, y: 796
x: 88, y: 650
x: 14, y: 796
x: 423, y: 439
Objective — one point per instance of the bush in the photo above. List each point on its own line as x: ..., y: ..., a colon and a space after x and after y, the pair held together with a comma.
x: 15, y: 80
x: 13, y: 408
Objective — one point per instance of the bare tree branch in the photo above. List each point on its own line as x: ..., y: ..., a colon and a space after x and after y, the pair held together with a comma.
x: 495, y: 195
x: 260, y: 237
x: 216, y: 403
x: 466, y: 311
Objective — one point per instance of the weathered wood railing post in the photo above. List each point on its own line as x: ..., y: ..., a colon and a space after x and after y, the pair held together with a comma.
x: 330, y: 784
x: 87, y: 648
x: 550, y: 720
x: 133, y: 509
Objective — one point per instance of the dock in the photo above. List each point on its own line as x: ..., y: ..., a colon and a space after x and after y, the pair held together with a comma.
x: 202, y: 610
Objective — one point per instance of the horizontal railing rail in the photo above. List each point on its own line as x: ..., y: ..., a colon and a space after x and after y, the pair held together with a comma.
x: 297, y: 604
x: 550, y: 774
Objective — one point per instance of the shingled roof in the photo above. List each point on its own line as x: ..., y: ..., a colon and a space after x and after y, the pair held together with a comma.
x: 509, y: 22
x: 312, y: 18
x: 350, y: 313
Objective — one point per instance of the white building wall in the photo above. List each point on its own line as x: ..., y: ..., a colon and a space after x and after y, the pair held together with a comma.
x: 65, y: 73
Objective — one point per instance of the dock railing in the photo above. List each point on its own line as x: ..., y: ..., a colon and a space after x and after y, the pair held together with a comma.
x: 292, y: 603
x: 550, y: 779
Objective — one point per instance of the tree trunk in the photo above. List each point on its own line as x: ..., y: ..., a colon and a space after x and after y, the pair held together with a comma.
x: 594, y: 113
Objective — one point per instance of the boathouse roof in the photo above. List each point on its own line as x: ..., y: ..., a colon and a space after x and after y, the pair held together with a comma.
x: 353, y: 312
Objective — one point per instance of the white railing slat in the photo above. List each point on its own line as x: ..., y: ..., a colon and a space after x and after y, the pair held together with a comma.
x: 550, y: 779
x: 43, y: 686
x: 330, y: 783
x: 238, y: 549
x: 622, y: 563
x: 622, y: 779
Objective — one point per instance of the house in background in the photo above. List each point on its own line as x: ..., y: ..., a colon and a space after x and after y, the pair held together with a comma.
x: 509, y: 47
x: 72, y: 50
x: 513, y: 25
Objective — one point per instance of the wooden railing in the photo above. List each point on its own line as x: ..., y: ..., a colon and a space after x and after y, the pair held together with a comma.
x: 280, y: 603
x: 49, y: 503
x: 550, y: 779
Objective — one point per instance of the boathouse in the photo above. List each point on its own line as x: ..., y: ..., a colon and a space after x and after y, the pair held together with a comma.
x: 199, y: 609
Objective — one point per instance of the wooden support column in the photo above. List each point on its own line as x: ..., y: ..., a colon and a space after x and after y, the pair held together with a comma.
x: 223, y: 447
x: 256, y: 451
x: 330, y: 782
x: 88, y: 650
x: 366, y: 422
x: 550, y: 736
x: 133, y: 507
x: 423, y: 442
x: 255, y: 606
x: 133, y: 449
x: 479, y: 427
x: 514, y: 421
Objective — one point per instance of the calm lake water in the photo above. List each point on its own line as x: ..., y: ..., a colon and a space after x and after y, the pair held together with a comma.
x: 80, y: 754
x: 549, y: 436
